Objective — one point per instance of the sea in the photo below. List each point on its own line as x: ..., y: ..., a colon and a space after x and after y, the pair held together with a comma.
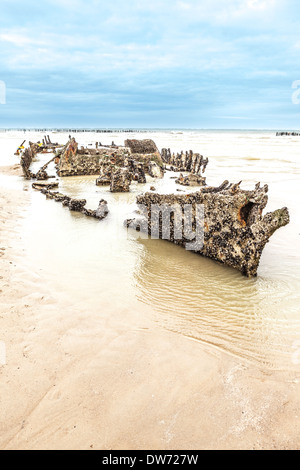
x: 105, y: 271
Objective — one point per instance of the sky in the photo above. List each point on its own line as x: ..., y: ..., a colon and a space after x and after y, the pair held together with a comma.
x: 217, y: 64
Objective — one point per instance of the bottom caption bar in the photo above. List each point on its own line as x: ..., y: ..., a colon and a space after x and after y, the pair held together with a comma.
x: 151, y: 458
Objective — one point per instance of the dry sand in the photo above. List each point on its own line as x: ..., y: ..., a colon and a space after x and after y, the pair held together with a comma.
x: 72, y: 382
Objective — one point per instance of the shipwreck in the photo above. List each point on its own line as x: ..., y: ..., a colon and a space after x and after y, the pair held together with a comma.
x: 111, y: 163
x: 233, y: 229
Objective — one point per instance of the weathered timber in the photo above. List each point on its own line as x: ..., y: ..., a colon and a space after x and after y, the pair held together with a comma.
x: 111, y: 174
x: 84, y: 161
x: 47, y: 186
x: 185, y: 161
x: 137, y: 170
x: 25, y: 161
x: 145, y: 146
x: 234, y: 233
x: 76, y: 205
x: 120, y: 181
x: 105, y: 177
x: 29, y: 155
x: 105, y: 162
x: 191, y: 180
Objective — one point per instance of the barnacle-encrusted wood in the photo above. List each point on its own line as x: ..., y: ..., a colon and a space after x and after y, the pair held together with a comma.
x: 74, y: 161
x: 76, y: 205
x: 185, y: 161
x: 235, y: 231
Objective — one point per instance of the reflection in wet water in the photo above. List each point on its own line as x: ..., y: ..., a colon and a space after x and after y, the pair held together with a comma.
x: 211, y: 303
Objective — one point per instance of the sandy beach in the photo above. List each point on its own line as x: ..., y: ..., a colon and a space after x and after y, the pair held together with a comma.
x: 76, y: 382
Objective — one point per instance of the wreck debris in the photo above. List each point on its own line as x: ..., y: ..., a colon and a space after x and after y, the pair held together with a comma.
x: 116, y: 176
x: 147, y: 152
x: 48, y: 163
x: 191, y: 162
x: 188, y: 161
x: 47, y: 146
x: 77, y: 205
x: 42, y: 173
x: 116, y: 166
x: 146, y: 146
x: 154, y: 170
x: 105, y: 178
x: 234, y: 231
x: 217, y: 189
x: 137, y: 170
x: 48, y: 186
x: 43, y: 147
x: 120, y: 181
x: 73, y: 161
x: 191, y: 180
x: 86, y: 161
x: 20, y: 148
x: 27, y: 158
x: 97, y: 161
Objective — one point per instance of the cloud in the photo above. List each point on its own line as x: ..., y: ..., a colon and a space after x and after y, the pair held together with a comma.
x: 260, y: 4
x: 17, y: 39
x: 188, y: 57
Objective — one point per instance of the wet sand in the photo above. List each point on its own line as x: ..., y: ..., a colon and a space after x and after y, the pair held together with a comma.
x: 74, y: 381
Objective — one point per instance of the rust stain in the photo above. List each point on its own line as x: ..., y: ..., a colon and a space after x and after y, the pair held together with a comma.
x: 240, y: 218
